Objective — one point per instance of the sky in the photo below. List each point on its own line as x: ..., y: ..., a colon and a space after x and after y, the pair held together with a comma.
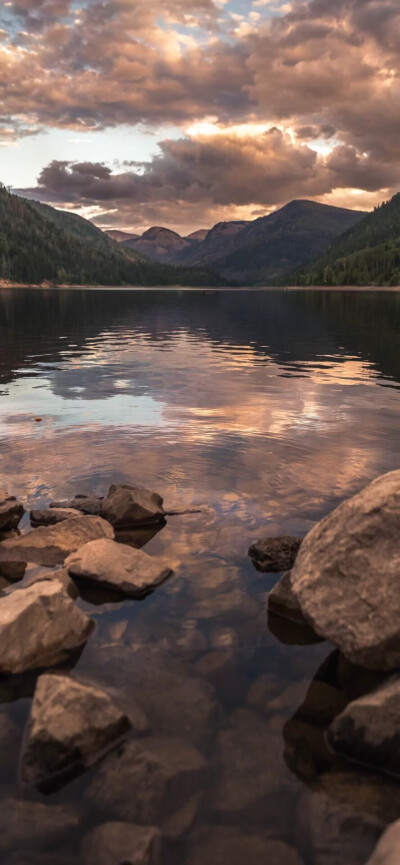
x: 184, y: 113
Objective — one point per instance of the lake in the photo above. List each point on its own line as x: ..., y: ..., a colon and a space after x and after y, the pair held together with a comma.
x: 264, y: 410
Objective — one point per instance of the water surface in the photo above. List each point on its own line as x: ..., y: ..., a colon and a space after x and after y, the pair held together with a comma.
x: 264, y: 410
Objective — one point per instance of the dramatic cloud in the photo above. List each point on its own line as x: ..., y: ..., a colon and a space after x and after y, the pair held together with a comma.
x: 282, y: 101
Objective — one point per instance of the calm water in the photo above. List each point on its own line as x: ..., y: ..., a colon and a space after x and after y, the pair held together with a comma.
x: 265, y: 410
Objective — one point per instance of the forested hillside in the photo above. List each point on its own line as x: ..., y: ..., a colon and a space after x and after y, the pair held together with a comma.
x: 367, y: 254
x: 38, y: 243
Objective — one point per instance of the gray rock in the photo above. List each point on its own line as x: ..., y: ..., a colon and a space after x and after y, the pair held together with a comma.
x: 51, y: 516
x: 367, y: 731
x: 388, y: 850
x: 127, y: 506
x: 61, y: 576
x: 220, y: 845
x: 117, y: 567
x: 39, y: 626
x: 32, y: 825
x: 283, y: 602
x: 51, y: 545
x: 272, y: 555
x: 89, y: 505
x: 345, y: 815
x: 346, y: 576
x: 161, y: 775
x: 121, y: 844
x: 11, y: 511
x: 71, y: 725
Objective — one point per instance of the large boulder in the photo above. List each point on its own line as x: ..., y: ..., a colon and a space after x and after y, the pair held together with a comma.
x: 388, y: 850
x: 121, y: 844
x: 51, y: 516
x: 347, y: 576
x: 70, y: 726
x: 283, y: 602
x: 127, y: 506
x: 51, y: 545
x: 118, y: 567
x: 34, y: 826
x: 39, y: 627
x: 89, y: 505
x: 11, y: 511
x: 272, y: 555
x: 61, y: 575
x: 148, y: 782
x: 368, y: 729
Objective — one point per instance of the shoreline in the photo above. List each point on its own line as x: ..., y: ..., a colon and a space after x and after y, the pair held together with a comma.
x: 204, y: 289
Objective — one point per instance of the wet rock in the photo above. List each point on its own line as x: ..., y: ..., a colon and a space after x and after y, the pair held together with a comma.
x: 347, y: 572
x: 127, y: 506
x: 388, y: 850
x: 61, y: 576
x: 272, y: 555
x: 50, y: 545
x: 283, y: 602
x: 253, y: 780
x: 344, y: 816
x: 32, y: 825
x: 39, y: 626
x: 118, y: 567
x: 88, y: 505
x: 148, y: 783
x: 306, y: 753
x: 11, y: 571
x: 367, y: 731
x: 11, y: 511
x: 121, y: 844
x: 51, y: 516
x: 321, y: 704
x: 354, y: 680
x: 220, y: 845
x: 71, y: 725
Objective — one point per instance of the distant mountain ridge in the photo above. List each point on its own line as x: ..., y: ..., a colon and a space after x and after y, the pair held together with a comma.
x: 367, y: 254
x: 253, y: 253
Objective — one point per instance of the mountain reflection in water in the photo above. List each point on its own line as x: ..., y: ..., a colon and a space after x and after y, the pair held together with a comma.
x: 265, y: 410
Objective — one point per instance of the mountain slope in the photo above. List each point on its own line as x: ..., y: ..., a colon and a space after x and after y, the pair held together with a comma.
x: 39, y: 243
x: 158, y: 243
x: 367, y: 254
x: 274, y: 245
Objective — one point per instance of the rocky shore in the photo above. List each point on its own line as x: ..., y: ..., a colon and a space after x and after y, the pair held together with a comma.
x: 338, y: 584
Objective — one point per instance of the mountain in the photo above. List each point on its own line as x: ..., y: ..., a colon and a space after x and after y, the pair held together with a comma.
x: 119, y: 236
x: 197, y: 236
x: 367, y: 254
x: 260, y: 252
x: 40, y: 244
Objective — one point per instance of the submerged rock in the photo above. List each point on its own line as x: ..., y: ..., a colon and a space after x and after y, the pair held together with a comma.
x: 127, y: 506
x: 388, y: 850
x: 367, y: 731
x: 148, y: 782
x: 11, y: 511
x: 51, y: 516
x: 346, y: 576
x: 118, y: 567
x: 228, y: 845
x: 51, y: 545
x: 121, y: 844
x: 71, y: 725
x: 32, y: 825
x: 89, y: 505
x: 272, y: 555
x: 39, y: 626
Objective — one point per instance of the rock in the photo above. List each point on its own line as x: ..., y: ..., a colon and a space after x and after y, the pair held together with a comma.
x: 9, y: 740
x: 356, y: 681
x: 89, y: 505
x: 345, y: 815
x: 220, y: 845
x: 51, y: 545
x: 127, y: 506
x: 283, y: 602
x: 273, y: 555
x: 70, y: 726
x: 11, y: 511
x: 61, y: 576
x: 121, y: 844
x: 117, y: 567
x: 346, y: 576
x: 388, y: 850
x: 367, y: 731
x: 51, y: 516
x: 148, y: 783
x: 321, y: 704
x: 25, y: 857
x: 33, y: 825
x: 39, y: 626
x: 306, y: 753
